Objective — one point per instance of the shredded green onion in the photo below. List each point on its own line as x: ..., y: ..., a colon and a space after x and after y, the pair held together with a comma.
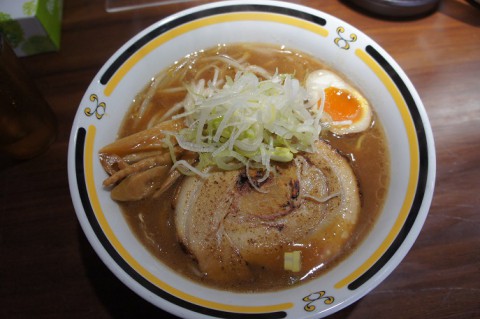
x: 248, y: 120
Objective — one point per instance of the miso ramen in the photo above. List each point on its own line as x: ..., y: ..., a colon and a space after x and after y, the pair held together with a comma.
x: 249, y: 167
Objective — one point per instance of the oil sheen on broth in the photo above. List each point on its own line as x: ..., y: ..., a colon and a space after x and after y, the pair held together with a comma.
x: 152, y: 219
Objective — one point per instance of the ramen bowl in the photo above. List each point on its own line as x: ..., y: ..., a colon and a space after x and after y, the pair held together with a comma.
x: 333, y: 41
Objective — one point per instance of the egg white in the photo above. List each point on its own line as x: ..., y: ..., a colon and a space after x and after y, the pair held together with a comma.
x: 318, y: 81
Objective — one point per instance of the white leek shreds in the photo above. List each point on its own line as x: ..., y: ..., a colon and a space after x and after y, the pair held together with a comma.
x: 184, y: 164
x: 248, y: 120
x: 321, y: 199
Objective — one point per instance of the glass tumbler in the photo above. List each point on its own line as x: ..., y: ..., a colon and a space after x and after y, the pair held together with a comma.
x: 27, y: 123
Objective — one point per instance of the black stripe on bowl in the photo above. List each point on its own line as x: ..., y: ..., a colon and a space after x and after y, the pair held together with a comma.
x: 90, y: 214
x: 423, y: 170
x: 125, y: 55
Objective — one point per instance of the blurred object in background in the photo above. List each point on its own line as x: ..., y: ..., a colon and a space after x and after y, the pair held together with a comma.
x: 31, y: 26
x: 122, y: 5
x: 475, y: 3
x: 27, y: 124
x: 397, y: 8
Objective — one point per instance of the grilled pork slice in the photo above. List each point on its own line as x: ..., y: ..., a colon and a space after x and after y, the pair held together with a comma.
x: 230, y: 227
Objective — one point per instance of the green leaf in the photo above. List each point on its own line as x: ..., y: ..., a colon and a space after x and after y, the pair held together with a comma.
x: 11, y: 29
x: 29, y: 7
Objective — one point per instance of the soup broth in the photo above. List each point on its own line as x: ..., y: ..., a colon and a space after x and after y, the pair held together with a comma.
x: 152, y: 219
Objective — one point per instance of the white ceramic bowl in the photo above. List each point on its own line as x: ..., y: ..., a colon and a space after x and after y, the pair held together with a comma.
x: 332, y: 40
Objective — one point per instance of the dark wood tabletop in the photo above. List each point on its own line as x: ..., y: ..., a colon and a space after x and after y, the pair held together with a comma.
x: 49, y: 270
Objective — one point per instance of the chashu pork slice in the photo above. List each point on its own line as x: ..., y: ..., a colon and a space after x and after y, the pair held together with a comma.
x: 310, y: 204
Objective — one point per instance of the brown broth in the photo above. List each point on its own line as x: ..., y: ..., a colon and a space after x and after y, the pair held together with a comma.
x: 152, y: 219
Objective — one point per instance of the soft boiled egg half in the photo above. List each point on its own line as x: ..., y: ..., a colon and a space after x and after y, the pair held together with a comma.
x: 345, y: 110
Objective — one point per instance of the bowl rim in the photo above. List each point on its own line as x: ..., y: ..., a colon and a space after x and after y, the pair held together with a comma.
x: 390, y: 258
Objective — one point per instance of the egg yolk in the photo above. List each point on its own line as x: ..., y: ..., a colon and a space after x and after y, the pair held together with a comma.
x: 341, y: 105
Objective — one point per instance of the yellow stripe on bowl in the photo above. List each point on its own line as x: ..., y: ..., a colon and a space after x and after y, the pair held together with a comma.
x: 107, y: 230
x: 229, y: 17
x: 413, y: 175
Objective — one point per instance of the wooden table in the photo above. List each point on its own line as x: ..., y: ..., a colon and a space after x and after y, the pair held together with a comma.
x: 49, y: 270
